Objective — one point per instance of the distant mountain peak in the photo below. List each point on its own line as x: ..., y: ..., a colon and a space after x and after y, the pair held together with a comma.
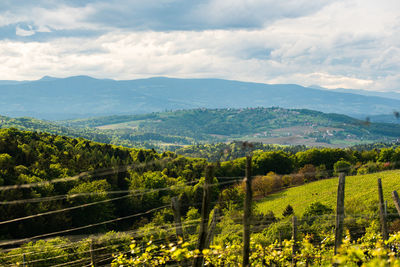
x: 48, y: 78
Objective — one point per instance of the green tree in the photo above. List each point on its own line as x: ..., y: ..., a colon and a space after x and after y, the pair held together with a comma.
x: 288, y: 211
x: 89, y: 192
x: 342, y: 166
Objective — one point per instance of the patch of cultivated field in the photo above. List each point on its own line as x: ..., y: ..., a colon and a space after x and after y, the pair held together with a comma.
x: 124, y: 125
x: 361, y: 194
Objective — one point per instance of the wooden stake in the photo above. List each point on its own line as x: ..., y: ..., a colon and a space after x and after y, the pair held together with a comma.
x: 386, y: 208
x: 294, y: 238
x: 211, y: 229
x: 396, y: 201
x: 176, y: 208
x: 205, y: 213
x: 339, y: 213
x: 92, y: 258
x: 247, y: 214
x: 382, y: 216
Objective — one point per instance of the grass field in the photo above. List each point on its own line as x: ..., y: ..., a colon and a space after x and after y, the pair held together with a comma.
x: 361, y: 194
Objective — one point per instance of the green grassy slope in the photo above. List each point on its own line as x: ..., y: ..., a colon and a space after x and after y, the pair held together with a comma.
x: 361, y: 194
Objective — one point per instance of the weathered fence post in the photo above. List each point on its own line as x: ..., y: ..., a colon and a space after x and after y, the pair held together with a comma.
x: 339, y: 213
x: 247, y: 214
x: 176, y: 208
x: 205, y: 213
x: 92, y: 258
x: 396, y: 201
x: 24, y: 260
x: 386, y: 208
x: 294, y: 238
x: 213, y: 223
x: 382, y: 211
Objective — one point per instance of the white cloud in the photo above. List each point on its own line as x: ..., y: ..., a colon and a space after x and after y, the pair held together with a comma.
x: 22, y: 32
x: 349, y: 44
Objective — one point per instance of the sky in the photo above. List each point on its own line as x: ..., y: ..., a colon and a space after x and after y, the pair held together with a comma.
x: 333, y: 44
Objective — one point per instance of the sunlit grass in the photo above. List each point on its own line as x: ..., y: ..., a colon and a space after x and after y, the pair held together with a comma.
x: 361, y: 194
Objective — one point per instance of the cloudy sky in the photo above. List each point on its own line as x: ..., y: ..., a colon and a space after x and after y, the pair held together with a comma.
x: 343, y: 43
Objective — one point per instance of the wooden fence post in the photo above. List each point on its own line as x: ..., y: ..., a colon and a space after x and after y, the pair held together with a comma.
x: 294, y: 238
x: 211, y: 229
x: 176, y: 208
x: 339, y: 213
x: 205, y: 213
x: 92, y: 258
x: 396, y: 201
x: 386, y: 208
x: 382, y: 211
x: 247, y: 214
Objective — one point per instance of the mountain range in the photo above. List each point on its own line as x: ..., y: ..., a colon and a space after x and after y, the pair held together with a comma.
x: 83, y: 96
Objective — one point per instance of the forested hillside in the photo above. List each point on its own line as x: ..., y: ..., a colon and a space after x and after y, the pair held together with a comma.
x: 124, y: 137
x: 109, y: 172
x: 175, y: 130
x: 267, y: 125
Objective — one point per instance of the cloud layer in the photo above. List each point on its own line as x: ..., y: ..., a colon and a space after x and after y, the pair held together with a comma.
x: 349, y: 44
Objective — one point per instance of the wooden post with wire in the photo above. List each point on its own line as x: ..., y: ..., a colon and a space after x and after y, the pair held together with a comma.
x: 339, y: 213
x: 176, y: 208
x: 211, y: 230
x: 294, y: 238
x: 92, y: 257
x: 396, y: 201
x: 247, y: 214
x: 382, y: 215
x: 205, y: 213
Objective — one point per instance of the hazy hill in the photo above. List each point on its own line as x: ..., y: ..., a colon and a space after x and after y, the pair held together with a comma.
x: 389, y: 94
x: 82, y: 96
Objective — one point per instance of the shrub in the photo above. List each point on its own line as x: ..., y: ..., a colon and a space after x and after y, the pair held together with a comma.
x: 321, y: 172
x: 288, y: 211
x: 342, y: 166
x: 308, y: 172
x: 263, y: 185
x: 287, y: 180
x: 369, y: 167
x: 315, y: 210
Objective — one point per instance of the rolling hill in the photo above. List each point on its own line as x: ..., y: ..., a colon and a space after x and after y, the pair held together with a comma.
x: 267, y: 125
x: 82, y: 96
x: 170, y: 130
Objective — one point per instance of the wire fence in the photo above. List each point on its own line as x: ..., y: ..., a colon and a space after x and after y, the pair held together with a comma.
x: 259, y: 224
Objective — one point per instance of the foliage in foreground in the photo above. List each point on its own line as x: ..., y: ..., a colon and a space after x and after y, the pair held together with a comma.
x: 369, y: 250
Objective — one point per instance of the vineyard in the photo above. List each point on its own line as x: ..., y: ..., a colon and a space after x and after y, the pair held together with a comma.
x: 284, y: 242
